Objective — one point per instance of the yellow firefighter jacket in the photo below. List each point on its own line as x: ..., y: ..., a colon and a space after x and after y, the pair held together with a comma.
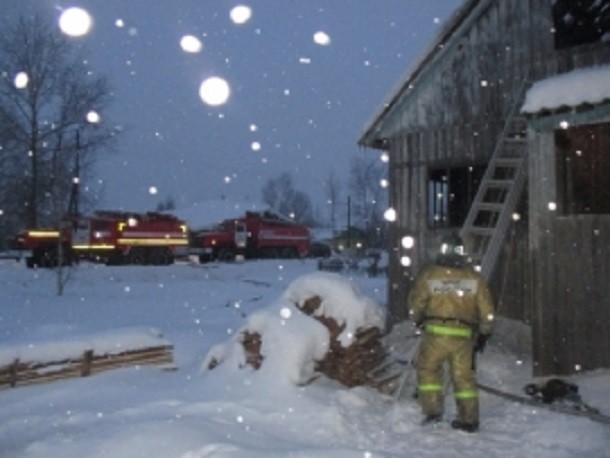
x: 458, y: 297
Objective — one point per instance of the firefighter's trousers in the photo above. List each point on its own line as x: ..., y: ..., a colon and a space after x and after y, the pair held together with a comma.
x: 457, y: 351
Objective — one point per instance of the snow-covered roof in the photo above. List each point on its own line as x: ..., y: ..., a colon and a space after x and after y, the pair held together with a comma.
x: 578, y: 87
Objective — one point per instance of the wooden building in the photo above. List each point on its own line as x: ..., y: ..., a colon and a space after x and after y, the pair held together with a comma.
x: 528, y: 188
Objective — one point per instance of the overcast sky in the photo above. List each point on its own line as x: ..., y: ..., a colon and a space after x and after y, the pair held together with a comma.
x: 297, y: 104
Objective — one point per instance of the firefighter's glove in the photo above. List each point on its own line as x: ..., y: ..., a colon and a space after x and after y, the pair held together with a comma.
x: 480, y: 343
x: 419, y: 324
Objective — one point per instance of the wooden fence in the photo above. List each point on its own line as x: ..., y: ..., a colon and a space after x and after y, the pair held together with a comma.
x: 27, y: 372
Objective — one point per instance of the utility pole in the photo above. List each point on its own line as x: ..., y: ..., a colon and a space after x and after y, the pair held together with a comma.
x: 349, y: 222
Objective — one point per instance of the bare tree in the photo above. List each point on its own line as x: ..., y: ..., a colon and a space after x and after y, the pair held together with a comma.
x: 279, y: 193
x: 169, y: 203
x: 333, y: 195
x: 368, y: 197
x: 51, y: 105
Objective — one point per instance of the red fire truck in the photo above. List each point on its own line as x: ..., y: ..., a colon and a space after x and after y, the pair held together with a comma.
x: 255, y: 235
x: 111, y: 237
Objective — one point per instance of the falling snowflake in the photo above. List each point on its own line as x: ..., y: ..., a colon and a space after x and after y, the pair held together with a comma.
x: 390, y: 215
x: 407, y: 242
x: 191, y: 44
x: 214, y: 91
x: 405, y: 261
x: 321, y: 38
x: 75, y: 22
x: 93, y: 117
x: 241, y: 14
x: 21, y: 80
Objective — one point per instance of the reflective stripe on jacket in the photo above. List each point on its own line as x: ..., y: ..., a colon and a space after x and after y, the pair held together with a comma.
x: 442, y: 330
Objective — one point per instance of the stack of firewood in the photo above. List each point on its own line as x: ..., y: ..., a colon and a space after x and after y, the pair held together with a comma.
x: 351, y: 365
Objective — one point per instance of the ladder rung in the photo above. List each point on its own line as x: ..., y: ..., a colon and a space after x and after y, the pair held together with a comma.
x: 515, y: 139
x: 510, y: 161
x: 489, y: 206
x: 480, y: 231
x: 498, y: 184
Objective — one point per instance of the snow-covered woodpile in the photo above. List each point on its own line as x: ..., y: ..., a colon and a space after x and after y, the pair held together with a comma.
x: 351, y: 365
x: 81, y: 357
x: 322, y: 325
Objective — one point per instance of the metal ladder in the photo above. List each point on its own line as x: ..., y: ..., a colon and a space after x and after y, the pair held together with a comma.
x: 498, y: 194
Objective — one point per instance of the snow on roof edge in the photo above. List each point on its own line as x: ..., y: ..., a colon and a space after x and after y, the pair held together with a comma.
x: 589, y: 85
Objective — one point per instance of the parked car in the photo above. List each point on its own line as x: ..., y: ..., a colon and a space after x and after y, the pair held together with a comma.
x: 320, y: 250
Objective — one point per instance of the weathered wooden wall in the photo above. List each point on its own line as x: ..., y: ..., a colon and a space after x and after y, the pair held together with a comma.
x: 570, y: 271
x: 572, y: 296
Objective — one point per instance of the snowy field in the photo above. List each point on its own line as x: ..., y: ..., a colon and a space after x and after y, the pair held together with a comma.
x: 230, y: 412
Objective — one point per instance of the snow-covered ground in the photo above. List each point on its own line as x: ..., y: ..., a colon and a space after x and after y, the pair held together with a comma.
x: 230, y: 412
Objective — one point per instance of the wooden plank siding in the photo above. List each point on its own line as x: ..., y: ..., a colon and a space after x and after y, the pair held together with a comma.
x: 449, y: 113
x: 571, y: 275
x: 574, y: 307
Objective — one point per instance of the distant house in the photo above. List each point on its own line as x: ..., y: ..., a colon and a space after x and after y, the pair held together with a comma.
x: 502, y: 131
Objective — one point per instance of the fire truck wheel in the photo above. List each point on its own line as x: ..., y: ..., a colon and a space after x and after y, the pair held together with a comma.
x: 226, y: 254
x: 271, y: 253
x: 203, y: 258
x: 289, y: 253
x: 137, y: 257
x: 49, y: 259
x: 161, y: 257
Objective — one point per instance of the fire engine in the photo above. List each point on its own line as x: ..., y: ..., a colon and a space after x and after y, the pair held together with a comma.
x: 108, y: 236
x: 255, y: 235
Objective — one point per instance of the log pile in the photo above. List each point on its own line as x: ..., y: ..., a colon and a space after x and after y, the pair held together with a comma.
x: 252, y: 342
x: 352, y: 365
x: 22, y: 373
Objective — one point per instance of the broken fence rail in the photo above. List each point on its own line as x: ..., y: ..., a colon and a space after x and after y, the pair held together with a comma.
x: 23, y: 373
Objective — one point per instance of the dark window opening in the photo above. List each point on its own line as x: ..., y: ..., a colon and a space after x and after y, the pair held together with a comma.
x: 580, y: 22
x: 101, y: 225
x: 450, y: 194
x: 583, y: 169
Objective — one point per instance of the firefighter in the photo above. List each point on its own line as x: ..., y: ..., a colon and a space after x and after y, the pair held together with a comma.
x: 452, y: 304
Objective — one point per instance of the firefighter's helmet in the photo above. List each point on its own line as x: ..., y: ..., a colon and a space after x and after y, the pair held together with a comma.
x: 452, y: 253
